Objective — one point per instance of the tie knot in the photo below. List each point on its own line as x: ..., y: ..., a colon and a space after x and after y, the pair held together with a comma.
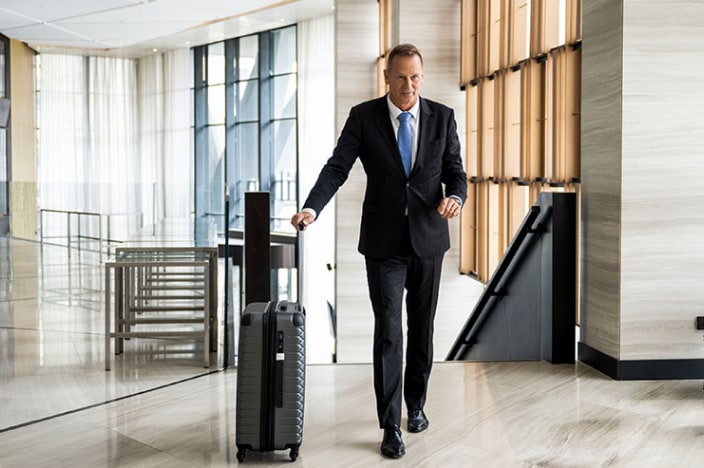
x: 404, y: 117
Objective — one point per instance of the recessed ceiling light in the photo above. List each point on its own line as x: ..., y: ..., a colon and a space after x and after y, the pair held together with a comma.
x: 155, y: 50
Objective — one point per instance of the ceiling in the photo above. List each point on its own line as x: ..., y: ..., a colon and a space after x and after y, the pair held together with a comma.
x: 135, y: 28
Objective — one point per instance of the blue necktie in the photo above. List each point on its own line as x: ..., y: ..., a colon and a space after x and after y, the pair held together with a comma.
x: 405, y: 140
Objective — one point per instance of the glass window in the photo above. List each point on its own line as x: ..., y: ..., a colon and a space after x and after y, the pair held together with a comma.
x: 283, y: 186
x: 284, y: 51
x: 248, y: 58
x: 284, y: 97
x: 216, y: 63
x: 247, y: 105
x: 245, y: 124
x: 216, y: 104
x: 246, y: 167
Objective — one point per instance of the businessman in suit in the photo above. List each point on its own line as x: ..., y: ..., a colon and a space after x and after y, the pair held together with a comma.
x: 410, y: 152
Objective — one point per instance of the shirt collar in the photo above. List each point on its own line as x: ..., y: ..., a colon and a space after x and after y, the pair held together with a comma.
x: 395, y: 111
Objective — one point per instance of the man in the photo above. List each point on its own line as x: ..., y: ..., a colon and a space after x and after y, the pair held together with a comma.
x: 404, y: 231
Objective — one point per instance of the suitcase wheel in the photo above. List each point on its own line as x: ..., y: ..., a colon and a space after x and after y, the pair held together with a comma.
x: 293, y: 454
x: 241, y: 454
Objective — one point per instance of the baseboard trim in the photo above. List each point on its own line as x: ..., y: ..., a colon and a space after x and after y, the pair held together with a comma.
x: 655, y: 369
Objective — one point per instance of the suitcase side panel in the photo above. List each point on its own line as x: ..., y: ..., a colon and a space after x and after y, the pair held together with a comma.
x: 288, y: 412
x: 250, y: 367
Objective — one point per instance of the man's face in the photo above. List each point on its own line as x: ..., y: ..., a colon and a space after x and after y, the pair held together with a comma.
x: 404, y: 79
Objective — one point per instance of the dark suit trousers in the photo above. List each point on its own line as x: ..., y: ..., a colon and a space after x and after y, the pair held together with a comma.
x: 387, y: 279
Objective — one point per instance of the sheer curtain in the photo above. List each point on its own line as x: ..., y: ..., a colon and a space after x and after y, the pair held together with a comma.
x: 316, y: 133
x: 63, y: 138
x: 166, y: 141
x: 114, y: 138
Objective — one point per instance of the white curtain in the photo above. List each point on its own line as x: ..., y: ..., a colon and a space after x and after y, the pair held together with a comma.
x: 165, y: 133
x: 316, y: 124
x: 62, y: 134
x: 114, y: 138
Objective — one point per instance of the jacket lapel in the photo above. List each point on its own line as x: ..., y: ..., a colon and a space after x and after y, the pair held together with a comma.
x: 427, y: 121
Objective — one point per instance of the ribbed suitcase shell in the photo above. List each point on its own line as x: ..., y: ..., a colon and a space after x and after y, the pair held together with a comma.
x: 270, y: 378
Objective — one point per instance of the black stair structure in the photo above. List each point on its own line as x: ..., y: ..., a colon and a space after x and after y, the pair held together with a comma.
x: 528, y: 308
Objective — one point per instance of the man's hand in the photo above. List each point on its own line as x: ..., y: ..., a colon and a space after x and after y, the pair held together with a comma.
x: 300, y: 221
x: 449, y: 208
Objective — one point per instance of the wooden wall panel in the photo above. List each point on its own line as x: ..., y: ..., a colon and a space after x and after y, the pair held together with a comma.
x: 468, y: 233
x: 512, y: 123
x: 482, y: 24
x: 523, y: 110
x: 494, y: 216
x: 483, y: 230
x: 518, y: 207
x: 550, y: 164
x: 519, y: 41
x: 386, y: 27
x: 534, y: 118
x: 573, y: 21
x: 473, y: 145
x: 553, y: 35
x: 468, y: 41
x: 487, y: 135
x: 537, y: 28
x: 573, y: 98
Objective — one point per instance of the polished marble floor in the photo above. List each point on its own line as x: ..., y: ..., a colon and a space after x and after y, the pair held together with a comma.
x: 159, y: 407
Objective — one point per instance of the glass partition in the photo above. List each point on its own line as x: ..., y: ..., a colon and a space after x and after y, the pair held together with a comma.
x: 246, y: 125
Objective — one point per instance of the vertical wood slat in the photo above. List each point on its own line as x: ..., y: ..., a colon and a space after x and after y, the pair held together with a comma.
x: 519, y: 17
x: 566, y: 90
x: 468, y: 233
x: 385, y: 27
x: 518, y: 207
x: 504, y: 209
x: 537, y: 31
x: 512, y: 123
x: 483, y: 32
x: 493, y: 220
x: 483, y: 230
x: 573, y: 79
x: 468, y: 41
x: 573, y: 21
x: 487, y: 111
x: 533, y: 118
x: 505, y: 42
x: 551, y: 24
x: 559, y: 114
x: 499, y: 125
x: 550, y: 160
x: 496, y: 44
x: 473, y: 124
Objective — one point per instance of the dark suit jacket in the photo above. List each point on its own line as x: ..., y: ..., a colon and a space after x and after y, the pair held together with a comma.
x: 369, y: 136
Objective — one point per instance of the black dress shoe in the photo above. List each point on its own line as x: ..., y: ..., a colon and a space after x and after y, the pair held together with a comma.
x: 417, y: 422
x: 392, y: 445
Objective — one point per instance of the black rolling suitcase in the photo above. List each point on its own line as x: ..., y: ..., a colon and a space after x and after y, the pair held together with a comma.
x: 270, y: 378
